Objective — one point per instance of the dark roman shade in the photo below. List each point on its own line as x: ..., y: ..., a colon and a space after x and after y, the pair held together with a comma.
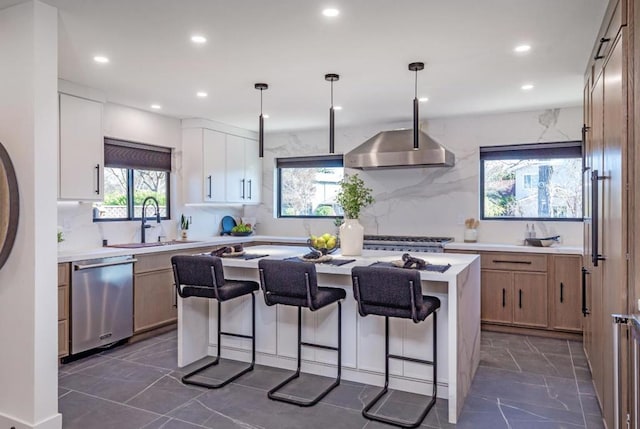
x: 310, y: 161
x: 125, y: 154
x: 570, y: 149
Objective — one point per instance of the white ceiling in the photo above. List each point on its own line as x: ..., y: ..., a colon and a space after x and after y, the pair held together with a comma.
x: 467, y: 46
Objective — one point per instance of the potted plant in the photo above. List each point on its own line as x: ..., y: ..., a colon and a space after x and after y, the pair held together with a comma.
x: 184, y: 226
x: 353, y: 197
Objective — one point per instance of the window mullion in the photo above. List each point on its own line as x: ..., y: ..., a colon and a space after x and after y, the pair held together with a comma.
x: 130, y: 200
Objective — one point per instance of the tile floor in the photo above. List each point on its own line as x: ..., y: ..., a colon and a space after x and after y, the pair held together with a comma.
x: 522, y: 382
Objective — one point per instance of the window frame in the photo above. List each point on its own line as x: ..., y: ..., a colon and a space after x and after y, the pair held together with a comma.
x: 130, y: 179
x: 318, y: 161
x: 550, y: 150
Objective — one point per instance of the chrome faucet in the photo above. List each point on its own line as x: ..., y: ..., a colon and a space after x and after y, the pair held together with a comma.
x: 144, y: 216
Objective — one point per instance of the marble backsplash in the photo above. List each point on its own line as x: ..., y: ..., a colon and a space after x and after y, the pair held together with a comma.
x: 427, y: 201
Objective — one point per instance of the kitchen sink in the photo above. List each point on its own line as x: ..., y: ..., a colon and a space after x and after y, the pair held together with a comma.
x: 152, y: 244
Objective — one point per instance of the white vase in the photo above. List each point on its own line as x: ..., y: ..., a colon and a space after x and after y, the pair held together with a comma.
x: 351, y: 236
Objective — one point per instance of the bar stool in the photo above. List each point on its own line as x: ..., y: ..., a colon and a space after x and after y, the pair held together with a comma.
x: 296, y: 284
x: 395, y: 292
x: 203, y: 276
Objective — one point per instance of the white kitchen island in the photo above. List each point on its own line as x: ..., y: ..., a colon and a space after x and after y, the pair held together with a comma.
x: 363, y: 338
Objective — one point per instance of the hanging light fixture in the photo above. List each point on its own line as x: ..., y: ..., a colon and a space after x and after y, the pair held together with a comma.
x: 416, y: 67
x: 261, y: 87
x: 331, y: 77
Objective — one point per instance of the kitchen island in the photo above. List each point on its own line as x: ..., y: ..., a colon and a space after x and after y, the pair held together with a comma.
x: 458, y: 288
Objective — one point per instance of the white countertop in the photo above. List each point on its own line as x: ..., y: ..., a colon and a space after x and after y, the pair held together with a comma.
x: 500, y: 247
x: 458, y: 262
x: 106, y: 252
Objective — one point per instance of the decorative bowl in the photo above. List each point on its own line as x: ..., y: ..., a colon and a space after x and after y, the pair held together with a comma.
x: 324, y: 250
x: 542, y: 242
x: 241, y: 234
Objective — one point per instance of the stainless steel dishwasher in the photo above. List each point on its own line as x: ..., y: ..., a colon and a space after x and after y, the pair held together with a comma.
x: 101, y: 302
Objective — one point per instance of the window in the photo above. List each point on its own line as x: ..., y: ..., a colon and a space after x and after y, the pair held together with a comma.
x: 307, y: 186
x: 132, y: 173
x: 540, y: 181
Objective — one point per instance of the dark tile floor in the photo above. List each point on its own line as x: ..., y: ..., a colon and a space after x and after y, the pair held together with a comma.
x: 522, y: 382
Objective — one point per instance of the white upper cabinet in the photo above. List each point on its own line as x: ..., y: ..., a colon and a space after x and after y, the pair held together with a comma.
x: 243, y: 170
x: 81, y: 150
x: 203, y: 165
x: 219, y: 167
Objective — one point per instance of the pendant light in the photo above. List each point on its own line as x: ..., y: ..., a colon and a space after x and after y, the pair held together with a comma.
x: 331, y: 77
x: 415, y: 67
x: 261, y: 87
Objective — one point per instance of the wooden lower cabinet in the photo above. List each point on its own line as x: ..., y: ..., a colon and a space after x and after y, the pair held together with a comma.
x: 566, y: 293
x: 154, y: 293
x: 530, y: 299
x: 496, y: 296
x: 531, y: 290
x: 63, y: 309
x: 154, y: 300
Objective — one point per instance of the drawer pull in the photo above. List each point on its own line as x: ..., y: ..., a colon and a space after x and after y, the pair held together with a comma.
x: 598, y: 55
x: 501, y: 261
x: 504, y: 297
x: 561, y: 292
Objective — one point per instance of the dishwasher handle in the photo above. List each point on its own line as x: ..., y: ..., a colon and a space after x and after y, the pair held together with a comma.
x: 78, y: 267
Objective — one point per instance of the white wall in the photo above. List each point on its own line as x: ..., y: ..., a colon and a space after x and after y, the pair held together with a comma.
x: 428, y: 201
x: 28, y: 286
x: 126, y: 123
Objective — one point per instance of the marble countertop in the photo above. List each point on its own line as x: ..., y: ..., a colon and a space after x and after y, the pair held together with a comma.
x: 106, y: 252
x: 458, y: 261
x: 500, y: 247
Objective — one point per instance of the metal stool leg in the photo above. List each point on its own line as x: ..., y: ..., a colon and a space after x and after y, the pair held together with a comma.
x: 272, y: 394
x: 366, y: 411
x: 186, y: 378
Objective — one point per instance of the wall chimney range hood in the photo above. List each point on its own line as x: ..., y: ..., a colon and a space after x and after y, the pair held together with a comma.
x: 404, y: 148
x: 394, y: 149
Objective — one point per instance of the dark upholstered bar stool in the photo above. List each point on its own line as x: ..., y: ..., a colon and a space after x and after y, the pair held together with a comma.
x: 394, y: 292
x: 203, y: 276
x: 296, y: 284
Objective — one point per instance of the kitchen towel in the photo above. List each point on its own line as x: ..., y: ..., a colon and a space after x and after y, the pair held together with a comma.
x: 248, y: 256
x: 428, y: 267
x: 334, y: 262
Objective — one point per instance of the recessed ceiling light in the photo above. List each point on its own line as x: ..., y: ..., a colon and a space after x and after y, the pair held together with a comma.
x: 201, y: 94
x: 331, y: 12
x: 522, y: 48
x: 527, y: 87
x: 101, y: 59
x: 337, y: 107
x: 265, y: 116
x: 196, y: 38
x: 423, y: 99
x: 156, y: 106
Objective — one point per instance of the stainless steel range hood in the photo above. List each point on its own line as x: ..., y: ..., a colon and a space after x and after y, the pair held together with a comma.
x: 394, y: 149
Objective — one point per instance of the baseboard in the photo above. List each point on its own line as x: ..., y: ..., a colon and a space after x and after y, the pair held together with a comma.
x: 561, y: 335
x: 53, y: 422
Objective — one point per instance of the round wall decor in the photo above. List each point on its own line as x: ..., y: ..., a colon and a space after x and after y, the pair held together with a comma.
x: 9, y: 205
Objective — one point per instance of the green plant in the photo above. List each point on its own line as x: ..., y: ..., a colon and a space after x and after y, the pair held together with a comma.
x: 60, y: 237
x: 353, y: 196
x: 185, y: 222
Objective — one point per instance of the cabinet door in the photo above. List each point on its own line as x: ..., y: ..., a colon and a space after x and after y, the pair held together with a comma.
x: 236, y: 182
x: 567, y: 293
x: 530, y: 296
x: 63, y: 338
x: 81, y: 152
x: 252, y: 172
x: 496, y: 296
x: 213, y: 158
x: 154, y: 300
